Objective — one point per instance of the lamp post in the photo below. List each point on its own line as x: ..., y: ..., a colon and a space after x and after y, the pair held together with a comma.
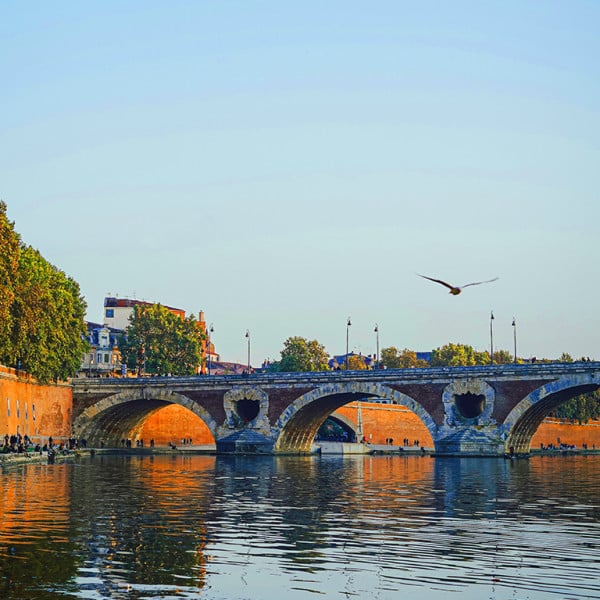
x: 90, y: 364
x: 348, y: 324
x: 514, y: 324
x: 248, y: 338
x: 210, y: 331
x: 359, y: 424
x: 376, y: 330
x: 492, y: 337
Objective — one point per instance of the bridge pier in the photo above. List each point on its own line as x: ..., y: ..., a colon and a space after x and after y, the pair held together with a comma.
x: 245, y: 441
x: 470, y: 441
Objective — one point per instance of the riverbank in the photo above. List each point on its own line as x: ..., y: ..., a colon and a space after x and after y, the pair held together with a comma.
x: 16, y: 460
x: 12, y: 459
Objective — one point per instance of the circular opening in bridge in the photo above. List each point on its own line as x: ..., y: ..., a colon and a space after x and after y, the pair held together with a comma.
x: 247, y: 409
x: 469, y: 405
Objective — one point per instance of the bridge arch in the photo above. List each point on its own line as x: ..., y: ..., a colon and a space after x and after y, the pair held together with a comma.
x: 122, y: 415
x: 523, y: 421
x: 300, y: 421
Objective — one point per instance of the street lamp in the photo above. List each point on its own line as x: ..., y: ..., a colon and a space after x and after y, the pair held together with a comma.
x: 492, y: 337
x: 348, y: 324
x: 210, y: 330
x: 376, y: 330
x: 248, y: 338
x: 514, y: 324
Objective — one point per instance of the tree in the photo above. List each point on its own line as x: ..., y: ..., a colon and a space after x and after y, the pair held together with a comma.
x: 302, y: 355
x: 458, y: 355
x: 48, y: 328
x: 160, y: 342
x: 407, y: 359
x: 356, y: 362
x: 502, y: 357
x: 9, y: 265
x: 581, y: 408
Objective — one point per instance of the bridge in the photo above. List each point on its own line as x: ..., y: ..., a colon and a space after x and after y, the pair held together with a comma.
x: 481, y: 411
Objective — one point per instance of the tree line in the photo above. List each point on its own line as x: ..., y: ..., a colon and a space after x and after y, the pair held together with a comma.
x: 42, y: 312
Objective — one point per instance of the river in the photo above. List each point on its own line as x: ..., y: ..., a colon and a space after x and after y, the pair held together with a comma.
x: 237, y: 528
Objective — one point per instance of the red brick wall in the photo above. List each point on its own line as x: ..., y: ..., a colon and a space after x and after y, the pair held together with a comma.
x: 551, y: 430
x: 38, y: 411
x: 174, y: 422
x: 381, y: 421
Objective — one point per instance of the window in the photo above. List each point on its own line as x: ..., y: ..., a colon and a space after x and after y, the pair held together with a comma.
x: 110, y: 313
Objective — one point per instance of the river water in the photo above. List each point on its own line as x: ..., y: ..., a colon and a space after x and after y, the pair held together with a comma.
x: 234, y: 528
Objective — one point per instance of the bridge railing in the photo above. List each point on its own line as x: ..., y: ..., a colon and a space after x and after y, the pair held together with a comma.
x: 539, y: 370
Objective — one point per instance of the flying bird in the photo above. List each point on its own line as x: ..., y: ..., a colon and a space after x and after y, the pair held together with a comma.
x: 455, y: 290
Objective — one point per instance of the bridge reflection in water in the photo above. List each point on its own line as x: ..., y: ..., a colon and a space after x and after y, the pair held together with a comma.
x: 476, y: 411
x: 294, y: 526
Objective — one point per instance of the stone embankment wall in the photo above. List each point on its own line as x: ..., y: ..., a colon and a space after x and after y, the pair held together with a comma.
x: 28, y: 408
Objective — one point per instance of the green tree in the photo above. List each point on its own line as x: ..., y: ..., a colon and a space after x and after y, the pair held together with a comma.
x: 160, y: 342
x: 581, y: 408
x: 458, y: 355
x: 406, y: 359
x: 48, y: 327
x: 302, y: 355
x: 9, y: 265
x: 356, y: 362
x: 503, y: 357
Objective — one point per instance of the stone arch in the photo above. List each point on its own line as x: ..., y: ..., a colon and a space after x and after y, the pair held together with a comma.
x: 122, y: 415
x: 300, y: 421
x: 522, y: 422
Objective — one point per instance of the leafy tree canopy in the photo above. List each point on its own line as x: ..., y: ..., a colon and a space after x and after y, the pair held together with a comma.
x: 406, y: 359
x: 580, y: 409
x: 458, y: 355
x: 9, y: 265
x: 160, y: 342
x: 49, y: 328
x: 302, y: 355
x: 502, y: 357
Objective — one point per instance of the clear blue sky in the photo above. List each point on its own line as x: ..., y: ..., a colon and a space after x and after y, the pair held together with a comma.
x: 283, y: 166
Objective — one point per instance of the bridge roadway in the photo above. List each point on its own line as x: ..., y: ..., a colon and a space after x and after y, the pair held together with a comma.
x: 479, y: 411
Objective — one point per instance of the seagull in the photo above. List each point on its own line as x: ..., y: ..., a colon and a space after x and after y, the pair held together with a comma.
x: 454, y: 289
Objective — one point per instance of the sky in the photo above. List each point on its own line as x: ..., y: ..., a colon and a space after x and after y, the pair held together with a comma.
x: 284, y: 166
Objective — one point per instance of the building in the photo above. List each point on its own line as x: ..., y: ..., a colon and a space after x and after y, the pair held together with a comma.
x: 117, y: 311
x: 103, y: 358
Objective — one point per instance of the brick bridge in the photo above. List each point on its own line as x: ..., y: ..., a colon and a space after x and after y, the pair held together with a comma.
x: 467, y: 410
